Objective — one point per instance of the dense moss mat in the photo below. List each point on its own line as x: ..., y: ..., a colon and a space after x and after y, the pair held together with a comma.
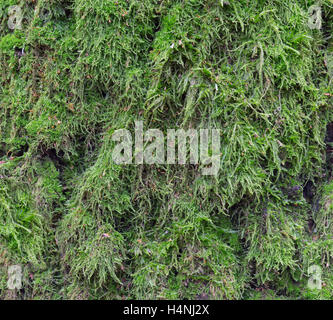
x: 83, y: 227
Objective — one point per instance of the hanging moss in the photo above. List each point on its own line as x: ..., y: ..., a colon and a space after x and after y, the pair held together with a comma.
x: 84, y: 227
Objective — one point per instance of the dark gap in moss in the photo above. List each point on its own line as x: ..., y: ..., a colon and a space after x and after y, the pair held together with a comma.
x: 329, y: 150
x: 54, y: 156
x: 308, y: 191
x: 327, y: 26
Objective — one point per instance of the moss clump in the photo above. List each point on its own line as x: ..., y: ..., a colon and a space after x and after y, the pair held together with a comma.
x: 84, y: 227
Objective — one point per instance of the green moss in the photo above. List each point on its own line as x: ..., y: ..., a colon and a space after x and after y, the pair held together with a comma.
x: 83, y: 227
